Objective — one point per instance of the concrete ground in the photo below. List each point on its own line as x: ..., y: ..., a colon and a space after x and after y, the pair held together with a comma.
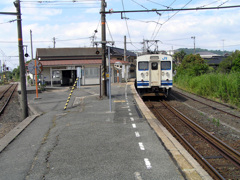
x: 90, y: 140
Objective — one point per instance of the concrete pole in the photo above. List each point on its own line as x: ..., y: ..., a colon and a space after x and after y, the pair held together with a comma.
x: 24, y: 103
x: 103, y: 20
x: 125, y: 57
x: 31, y: 44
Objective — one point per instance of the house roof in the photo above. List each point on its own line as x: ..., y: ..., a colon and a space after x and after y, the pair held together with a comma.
x: 76, y: 53
x: 207, y: 54
x: 118, y: 51
x: 215, y: 60
x: 66, y: 53
x: 77, y: 62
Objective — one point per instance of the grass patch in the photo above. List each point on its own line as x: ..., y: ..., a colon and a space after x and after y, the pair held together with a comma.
x: 225, y: 87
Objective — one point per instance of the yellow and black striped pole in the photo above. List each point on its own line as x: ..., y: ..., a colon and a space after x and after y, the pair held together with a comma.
x: 69, y: 97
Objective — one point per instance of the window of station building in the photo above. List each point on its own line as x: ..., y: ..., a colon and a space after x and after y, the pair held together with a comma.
x: 165, y: 65
x: 154, y: 66
x: 142, y: 66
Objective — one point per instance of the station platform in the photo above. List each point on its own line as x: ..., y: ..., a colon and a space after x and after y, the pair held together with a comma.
x: 94, y: 139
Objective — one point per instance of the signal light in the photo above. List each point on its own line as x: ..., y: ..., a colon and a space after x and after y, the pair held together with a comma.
x: 97, y: 52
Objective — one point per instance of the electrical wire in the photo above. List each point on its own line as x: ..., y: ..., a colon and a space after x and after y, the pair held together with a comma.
x: 127, y: 24
x: 140, y: 5
x: 159, y: 20
x: 168, y: 7
x: 11, y: 21
x: 224, y: 3
x: 171, y: 18
x: 61, y: 4
x: 109, y: 31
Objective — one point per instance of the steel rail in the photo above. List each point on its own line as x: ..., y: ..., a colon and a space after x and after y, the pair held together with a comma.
x: 210, y: 105
x: 223, y: 148
x: 209, y: 168
x: 9, y: 97
x: 6, y: 91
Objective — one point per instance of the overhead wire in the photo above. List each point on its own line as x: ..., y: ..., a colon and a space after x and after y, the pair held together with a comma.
x: 60, y: 4
x: 109, y: 31
x: 127, y: 24
x: 171, y: 18
x: 140, y: 5
x: 160, y: 18
x: 11, y: 21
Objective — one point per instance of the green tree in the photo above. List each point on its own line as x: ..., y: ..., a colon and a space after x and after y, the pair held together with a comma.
x: 192, y: 65
x: 16, y: 73
x: 236, y: 64
x: 178, y: 56
x: 231, y: 63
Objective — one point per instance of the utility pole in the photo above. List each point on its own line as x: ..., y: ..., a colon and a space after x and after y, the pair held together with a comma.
x: 54, y: 42
x: 125, y: 48
x: 223, y: 46
x: 31, y: 44
x: 21, y: 62
x: 125, y: 56
x: 193, y: 37
x: 104, y: 64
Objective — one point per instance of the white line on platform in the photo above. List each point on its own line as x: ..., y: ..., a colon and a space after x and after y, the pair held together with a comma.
x: 137, y: 176
x: 130, y: 114
x: 147, y: 163
x: 134, y: 125
x: 132, y: 119
x: 137, y: 134
x: 141, y: 146
x: 129, y: 109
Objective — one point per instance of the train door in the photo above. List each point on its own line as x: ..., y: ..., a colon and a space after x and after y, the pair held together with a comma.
x: 155, y: 76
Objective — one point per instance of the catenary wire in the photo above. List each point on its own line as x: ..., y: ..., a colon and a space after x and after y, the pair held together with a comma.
x: 171, y: 18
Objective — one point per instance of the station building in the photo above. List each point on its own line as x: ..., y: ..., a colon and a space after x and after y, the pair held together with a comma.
x: 61, y: 65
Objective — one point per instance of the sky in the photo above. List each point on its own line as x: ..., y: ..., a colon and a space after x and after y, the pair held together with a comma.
x: 73, y: 24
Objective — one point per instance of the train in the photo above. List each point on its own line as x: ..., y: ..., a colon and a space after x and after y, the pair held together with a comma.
x: 154, y: 75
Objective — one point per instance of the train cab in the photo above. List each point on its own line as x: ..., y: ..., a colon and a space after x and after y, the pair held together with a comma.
x: 154, y: 74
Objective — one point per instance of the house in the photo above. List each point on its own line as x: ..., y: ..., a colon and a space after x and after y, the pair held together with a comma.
x: 61, y: 66
x: 211, y: 58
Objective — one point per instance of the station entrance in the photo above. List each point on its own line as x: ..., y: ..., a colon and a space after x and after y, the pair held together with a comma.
x: 68, y: 77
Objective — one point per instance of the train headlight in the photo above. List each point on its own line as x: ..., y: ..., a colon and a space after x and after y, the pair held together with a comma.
x: 142, y: 74
x: 163, y: 73
x: 168, y: 74
x: 146, y: 73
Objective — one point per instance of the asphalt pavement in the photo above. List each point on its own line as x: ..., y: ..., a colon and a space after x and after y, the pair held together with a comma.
x: 88, y: 141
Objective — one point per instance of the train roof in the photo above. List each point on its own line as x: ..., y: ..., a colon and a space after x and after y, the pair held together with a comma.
x: 148, y: 57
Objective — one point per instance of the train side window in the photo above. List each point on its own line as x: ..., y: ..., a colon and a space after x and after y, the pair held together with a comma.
x: 154, y: 66
x: 165, y: 65
x: 143, y: 66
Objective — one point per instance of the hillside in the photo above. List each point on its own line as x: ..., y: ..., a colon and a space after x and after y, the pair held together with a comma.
x: 191, y: 51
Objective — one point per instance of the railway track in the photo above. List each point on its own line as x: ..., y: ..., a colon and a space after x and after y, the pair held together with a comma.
x: 220, y: 160
x: 6, y: 95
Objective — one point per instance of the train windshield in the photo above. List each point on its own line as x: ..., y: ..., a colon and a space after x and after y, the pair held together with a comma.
x: 166, y: 65
x: 143, y: 66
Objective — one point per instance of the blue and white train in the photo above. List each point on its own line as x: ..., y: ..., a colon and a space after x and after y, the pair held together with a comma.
x: 154, y: 75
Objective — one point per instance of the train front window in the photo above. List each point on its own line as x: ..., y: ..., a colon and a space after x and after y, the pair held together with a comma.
x: 166, y: 65
x: 142, y: 66
x: 154, y: 66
